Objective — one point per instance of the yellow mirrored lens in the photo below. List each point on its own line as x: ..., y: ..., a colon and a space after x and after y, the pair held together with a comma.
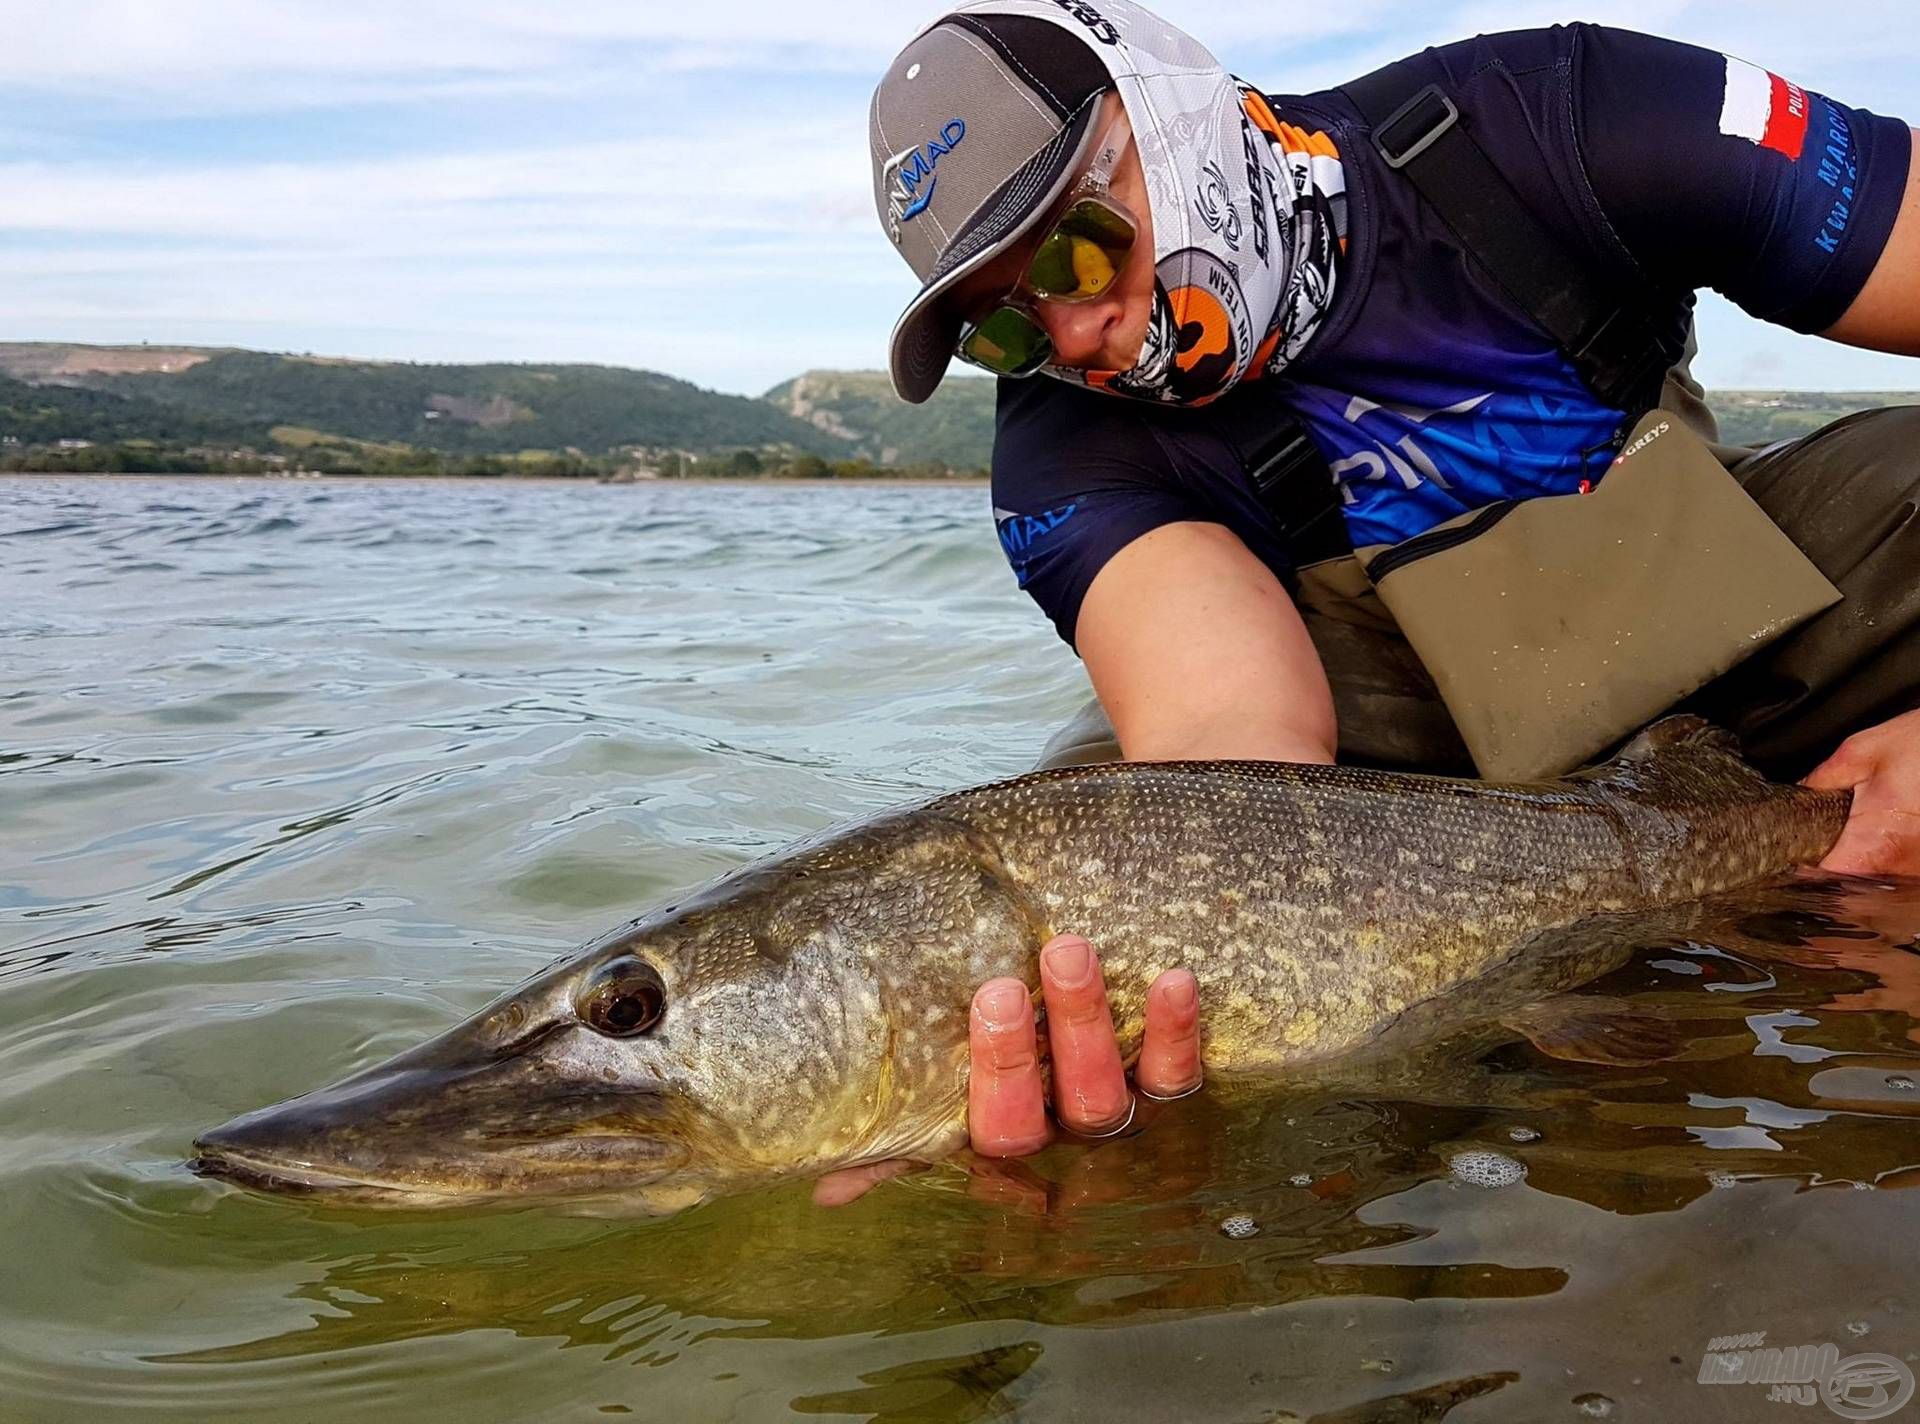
x: 1006, y: 341
x: 1082, y: 254
x: 1092, y: 268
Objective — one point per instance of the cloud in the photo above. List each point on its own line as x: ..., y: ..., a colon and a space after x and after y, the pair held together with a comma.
x: 712, y: 181
x: 197, y: 56
x: 682, y: 186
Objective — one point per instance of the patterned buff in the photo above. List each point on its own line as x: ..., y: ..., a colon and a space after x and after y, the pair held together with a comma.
x: 1249, y: 214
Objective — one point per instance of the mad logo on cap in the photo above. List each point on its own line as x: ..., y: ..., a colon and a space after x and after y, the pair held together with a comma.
x: 910, y: 174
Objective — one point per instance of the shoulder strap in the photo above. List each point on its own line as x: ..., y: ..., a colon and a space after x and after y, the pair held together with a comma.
x: 1289, y: 474
x: 1620, y: 346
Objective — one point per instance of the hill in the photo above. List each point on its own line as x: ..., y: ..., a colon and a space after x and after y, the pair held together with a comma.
x: 953, y: 428
x: 46, y: 415
x: 41, y: 362
x: 1762, y: 417
x: 495, y: 409
x: 226, y: 408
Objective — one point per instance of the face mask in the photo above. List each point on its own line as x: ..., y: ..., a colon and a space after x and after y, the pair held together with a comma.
x: 1248, y: 213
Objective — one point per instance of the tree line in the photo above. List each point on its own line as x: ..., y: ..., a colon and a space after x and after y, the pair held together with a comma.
x: 149, y: 457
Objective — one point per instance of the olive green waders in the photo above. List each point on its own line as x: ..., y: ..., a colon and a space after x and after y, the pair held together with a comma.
x: 1848, y: 495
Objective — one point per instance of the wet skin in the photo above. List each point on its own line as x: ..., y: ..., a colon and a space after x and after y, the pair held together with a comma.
x: 1881, y: 766
x: 1007, y: 1114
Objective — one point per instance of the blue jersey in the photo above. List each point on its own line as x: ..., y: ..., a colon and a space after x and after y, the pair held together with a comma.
x: 1427, y: 390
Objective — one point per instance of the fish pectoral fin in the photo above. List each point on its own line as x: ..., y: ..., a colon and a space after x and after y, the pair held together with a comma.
x: 1587, y: 1029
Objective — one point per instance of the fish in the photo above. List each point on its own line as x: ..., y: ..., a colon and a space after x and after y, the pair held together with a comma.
x: 809, y: 1011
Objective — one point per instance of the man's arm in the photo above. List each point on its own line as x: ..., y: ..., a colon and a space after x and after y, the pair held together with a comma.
x: 1197, y: 653
x: 1886, y: 314
x: 1881, y: 765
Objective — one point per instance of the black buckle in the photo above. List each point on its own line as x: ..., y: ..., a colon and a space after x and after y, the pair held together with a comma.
x: 1624, y: 356
x: 1291, y: 480
x: 1429, y: 114
x: 1287, y: 457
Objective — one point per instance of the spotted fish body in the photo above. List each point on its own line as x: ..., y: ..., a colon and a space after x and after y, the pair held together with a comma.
x: 810, y: 1011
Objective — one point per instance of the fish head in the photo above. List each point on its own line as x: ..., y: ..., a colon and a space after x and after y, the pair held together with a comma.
x: 789, y: 1019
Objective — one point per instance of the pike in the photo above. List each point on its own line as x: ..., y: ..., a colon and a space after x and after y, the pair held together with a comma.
x: 809, y: 1011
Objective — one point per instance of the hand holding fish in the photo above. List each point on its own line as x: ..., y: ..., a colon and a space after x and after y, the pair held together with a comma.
x: 1006, y: 1091
x: 1006, y: 1098
x: 1882, y: 768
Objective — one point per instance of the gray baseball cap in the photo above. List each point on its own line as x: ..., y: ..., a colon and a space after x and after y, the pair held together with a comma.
x: 979, y: 125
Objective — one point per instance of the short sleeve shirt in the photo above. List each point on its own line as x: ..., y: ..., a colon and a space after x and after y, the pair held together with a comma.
x: 1428, y: 392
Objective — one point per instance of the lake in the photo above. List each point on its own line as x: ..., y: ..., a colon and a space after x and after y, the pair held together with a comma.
x: 294, y: 774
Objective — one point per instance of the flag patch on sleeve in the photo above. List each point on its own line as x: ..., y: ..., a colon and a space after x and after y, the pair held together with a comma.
x: 1763, y: 108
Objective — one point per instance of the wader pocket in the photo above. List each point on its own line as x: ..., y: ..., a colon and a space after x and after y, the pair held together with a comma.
x: 1553, y: 627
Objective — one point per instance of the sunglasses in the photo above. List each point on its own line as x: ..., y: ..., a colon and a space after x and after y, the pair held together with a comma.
x: 1084, y: 250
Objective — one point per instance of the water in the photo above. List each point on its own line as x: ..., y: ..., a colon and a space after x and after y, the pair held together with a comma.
x: 294, y: 774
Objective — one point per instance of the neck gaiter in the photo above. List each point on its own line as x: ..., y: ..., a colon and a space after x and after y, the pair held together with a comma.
x: 1249, y: 213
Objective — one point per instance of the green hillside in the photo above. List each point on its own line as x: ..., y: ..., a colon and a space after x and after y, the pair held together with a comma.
x: 46, y: 415
x: 1762, y: 417
x: 953, y: 428
x: 63, y: 405
x: 472, y: 409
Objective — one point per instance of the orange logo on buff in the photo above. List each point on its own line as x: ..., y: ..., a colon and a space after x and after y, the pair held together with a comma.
x: 1203, y: 349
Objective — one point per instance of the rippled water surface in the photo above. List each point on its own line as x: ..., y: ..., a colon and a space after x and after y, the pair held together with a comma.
x: 293, y: 775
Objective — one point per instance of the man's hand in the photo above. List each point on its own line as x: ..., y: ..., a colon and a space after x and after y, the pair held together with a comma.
x: 1006, y: 1098
x: 1882, y: 766
x: 1006, y: 1094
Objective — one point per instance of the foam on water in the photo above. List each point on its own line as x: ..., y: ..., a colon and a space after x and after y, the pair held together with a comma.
x: 1486, y: 1169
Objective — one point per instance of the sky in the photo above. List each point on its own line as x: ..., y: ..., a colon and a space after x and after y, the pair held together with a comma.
x: 677, y: 186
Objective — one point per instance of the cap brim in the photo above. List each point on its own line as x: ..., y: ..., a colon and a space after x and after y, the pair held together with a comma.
x: 924, y: 337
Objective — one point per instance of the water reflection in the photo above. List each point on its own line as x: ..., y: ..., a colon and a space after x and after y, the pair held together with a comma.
x: 1713, y: 1111
x: 1347, y: 1178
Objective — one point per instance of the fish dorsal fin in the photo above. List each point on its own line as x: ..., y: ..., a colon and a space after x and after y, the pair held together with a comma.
x: 1682, y: 746
x: 1682, y: 730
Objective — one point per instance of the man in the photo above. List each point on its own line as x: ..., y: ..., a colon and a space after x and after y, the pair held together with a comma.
x: 1091, y: 202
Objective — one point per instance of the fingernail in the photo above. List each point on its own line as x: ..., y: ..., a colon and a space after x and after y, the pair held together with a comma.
x: 1071, y: 963
x: 1001, y: 1003
x: 1115, y: 1125
x: 1180, y: 993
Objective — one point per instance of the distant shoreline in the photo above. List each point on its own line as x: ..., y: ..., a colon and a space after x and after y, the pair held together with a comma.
x: 580, y: 481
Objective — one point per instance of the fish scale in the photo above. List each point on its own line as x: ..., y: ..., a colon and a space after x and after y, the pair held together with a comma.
x: 809, y: 1011
x: 1314, y: 903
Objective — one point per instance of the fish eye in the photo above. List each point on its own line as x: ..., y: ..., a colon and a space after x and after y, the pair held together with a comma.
x: 627, y: 1001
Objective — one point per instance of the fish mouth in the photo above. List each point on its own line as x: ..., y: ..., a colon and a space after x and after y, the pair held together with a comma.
x: 538, y: 1108
x: 429, y: 1133
x: 284, y: 1178
x: 565, y: 1167
x: 615, y: 1195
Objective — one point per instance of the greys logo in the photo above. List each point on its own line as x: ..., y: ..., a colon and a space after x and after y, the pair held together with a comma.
x: 1645, y: 440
